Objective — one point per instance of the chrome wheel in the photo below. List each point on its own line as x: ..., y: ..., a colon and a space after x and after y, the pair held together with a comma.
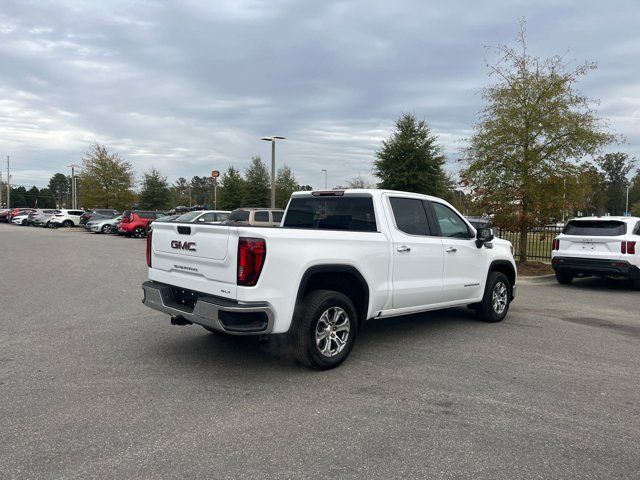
x: 106, y: 229
x: 332, y: 331
x: 138, y: 232
x: 499, y: 297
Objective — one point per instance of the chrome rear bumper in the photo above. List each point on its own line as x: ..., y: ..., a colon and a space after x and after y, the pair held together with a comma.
x: 209, y: 311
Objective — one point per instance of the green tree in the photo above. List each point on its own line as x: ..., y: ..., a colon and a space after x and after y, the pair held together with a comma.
x: 533, y: 125
x: 59, y: 187
x: 155, y: 193
x: 286, y: 184
x: 616, y: 167
x: 202, y: 190
x: 106, y: 180
x: 179, y: 192
x: 634, y: 195
x: 411, y: 160
x: 257, y: 184
x: 232, y: 189
x: 45, y: 199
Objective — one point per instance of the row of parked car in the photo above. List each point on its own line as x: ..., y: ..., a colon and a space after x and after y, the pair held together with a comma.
x: 135, y: 223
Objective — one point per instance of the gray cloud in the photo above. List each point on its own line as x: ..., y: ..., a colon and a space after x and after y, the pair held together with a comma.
x: 193, y: 85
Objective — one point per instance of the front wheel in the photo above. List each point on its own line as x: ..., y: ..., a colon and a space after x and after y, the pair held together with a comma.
x: 67, y: 224
x: 497, y: 297
x: 138, y: 232
x: 325, y: 329
x: 564, y: 278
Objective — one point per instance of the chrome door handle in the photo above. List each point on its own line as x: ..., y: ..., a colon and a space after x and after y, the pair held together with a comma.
x: 451, y: 249
x: 403, y: 248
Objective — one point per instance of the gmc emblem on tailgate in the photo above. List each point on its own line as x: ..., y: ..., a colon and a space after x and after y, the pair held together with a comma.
x: 177, y: 244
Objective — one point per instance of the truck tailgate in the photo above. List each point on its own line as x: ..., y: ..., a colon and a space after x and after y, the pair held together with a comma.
x: 195, y: 257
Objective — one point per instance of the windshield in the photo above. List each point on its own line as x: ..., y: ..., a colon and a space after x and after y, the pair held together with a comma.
x: 188, y: 217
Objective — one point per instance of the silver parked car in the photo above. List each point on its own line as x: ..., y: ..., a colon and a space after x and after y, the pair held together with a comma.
x: 104, y: 225
x: 41, y: 218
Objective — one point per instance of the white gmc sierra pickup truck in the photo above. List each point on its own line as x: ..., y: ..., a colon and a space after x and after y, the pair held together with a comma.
x: 339, y: 258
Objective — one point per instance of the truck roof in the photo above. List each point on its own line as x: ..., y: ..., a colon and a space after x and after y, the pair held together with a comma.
x: 374, y: 192
x: 610, y: 217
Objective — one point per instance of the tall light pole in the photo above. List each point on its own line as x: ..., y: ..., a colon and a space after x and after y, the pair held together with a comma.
x: 74, y: 200
x: 273, y: 139
x: 8, y: 184
x: 626, y: 208
x: 325, y: 178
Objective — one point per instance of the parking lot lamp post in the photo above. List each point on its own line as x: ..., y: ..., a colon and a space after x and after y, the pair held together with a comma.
x: 626, y: 208
x: 273, y: 139
x: 74, y: 200
x: 325, y: 178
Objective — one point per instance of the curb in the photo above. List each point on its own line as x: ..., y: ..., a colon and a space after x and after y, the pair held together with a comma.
x: 522, y: 279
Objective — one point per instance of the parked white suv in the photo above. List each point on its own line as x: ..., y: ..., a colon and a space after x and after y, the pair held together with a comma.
x: 600, y: 246
x: 339, y: 259
x: 65, y: 218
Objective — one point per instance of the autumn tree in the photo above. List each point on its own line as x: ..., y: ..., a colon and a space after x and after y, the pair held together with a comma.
x: 535, y: 124
x: 106, y: 180
x: 258, y: 184
x: 155, y: 193
x: 411, y: 159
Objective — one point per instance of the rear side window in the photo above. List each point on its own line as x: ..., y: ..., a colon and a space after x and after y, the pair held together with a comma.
x: 277, y: 216
x: 147, y: 215
x: 637, y: 230
x: 239, y: 216
x: 261, y: 216
x: 410, y: 216
x: 221, y: 217
x: 595, y: 228
x: 76, y: 212
x: 332, y: 213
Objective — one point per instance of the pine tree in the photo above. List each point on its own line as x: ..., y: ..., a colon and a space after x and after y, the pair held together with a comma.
x: 258, y: 184
x: 232, y: 189
x: 411, y: 160
x: 155, y: 193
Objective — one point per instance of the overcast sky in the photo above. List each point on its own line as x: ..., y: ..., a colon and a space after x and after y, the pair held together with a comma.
x: 191, y: 86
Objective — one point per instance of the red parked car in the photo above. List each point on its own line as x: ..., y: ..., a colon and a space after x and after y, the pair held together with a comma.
x: 135, y: 223
x: 17, y: 211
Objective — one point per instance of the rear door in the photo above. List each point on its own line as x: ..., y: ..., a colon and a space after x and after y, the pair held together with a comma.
x: 197, y: 256
x: 417, y: 255
x: 600, y: 239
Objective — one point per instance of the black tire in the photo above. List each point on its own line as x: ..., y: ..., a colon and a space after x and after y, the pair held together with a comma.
x: 492, y: 309
x: 564, y: 278
x: 106, y: 228
x: 24, y: 223
x: 67, y: 224
x: 311, y: 316
x: 138, y: 232
x: 636, y: 284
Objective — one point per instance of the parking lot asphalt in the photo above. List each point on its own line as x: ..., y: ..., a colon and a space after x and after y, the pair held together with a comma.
x: 95, y: 385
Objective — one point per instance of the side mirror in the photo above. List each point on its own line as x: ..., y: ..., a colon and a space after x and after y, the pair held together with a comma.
x: 483, y: 235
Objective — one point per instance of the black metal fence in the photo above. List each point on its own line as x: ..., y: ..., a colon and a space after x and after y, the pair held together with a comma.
x: 539, y: 241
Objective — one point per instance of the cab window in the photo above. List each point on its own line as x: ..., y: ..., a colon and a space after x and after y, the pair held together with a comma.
x: 261, y: 216
x: 410, y: 215
x: 451, y: 225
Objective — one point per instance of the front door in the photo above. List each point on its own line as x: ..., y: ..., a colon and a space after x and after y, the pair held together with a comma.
x: 465, y: 265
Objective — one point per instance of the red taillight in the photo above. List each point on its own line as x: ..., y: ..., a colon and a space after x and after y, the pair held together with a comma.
x: 149, y: 235
x: 556, y: 244
x: 628, y: 248
x: 251, y: 255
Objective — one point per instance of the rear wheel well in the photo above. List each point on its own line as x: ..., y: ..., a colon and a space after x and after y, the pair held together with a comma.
x: 507, y: 269
x: 345, y: 280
